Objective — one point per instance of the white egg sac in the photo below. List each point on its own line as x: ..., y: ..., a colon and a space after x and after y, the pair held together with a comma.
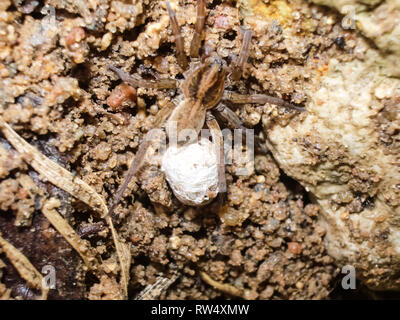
x: 192, y: 172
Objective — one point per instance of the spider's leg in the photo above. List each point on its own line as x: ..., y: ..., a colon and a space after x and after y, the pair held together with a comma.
x: 207, y: 51
x: 259, y: 98
x: 237, y: 69
x: 201, y: 17
x: 137, y: 82
x: 133, y: 169
x: 180, y: 48
x: 228, y: 117
x: 138, y: 161
x: 232, y: 121
x: 218, y: 142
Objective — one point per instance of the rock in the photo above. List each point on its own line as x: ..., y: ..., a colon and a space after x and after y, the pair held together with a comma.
x: 377, y: 20
x: 338, y: 149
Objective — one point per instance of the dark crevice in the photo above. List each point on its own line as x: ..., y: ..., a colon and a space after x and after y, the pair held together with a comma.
x: 132, y: 34
x: 294, y: 187
x: 83, y: 74
x: 213, y: 4
x: 230, y: 35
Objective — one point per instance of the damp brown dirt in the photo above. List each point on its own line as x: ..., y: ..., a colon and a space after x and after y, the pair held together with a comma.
x: 58, y: 94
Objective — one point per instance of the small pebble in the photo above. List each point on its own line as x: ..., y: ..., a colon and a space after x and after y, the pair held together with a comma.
x: 294, y: 247
x: 76, y: 35
x: 121, y: 95
x: 106, y: 41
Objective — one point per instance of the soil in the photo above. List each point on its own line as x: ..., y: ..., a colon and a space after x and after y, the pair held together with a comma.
x: 55, y: 92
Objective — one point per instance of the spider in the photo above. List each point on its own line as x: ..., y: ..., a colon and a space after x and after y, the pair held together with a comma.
x: 203, y: 95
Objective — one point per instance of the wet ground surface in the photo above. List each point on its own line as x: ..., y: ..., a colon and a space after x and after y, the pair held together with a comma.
x: 55, y: 93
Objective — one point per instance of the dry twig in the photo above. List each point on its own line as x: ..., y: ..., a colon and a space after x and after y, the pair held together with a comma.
x: 24, y: 267
x: 153, y: 291
x: 61, y: 225
x: 226, y: 288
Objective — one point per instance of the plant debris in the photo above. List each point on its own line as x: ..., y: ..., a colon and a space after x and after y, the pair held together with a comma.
x: 26, y: 270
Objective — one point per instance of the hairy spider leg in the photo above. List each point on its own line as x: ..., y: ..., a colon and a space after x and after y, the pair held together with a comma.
x: 138, y: 161
x: 232, y: 121
x: 228, y: 117
x: 200, y: 20
x: 137, y: 82
x: 236, y: 73
x: 238, y: 67
x: 260, y: 99
x: 218, y: 143
x: 180, y: 47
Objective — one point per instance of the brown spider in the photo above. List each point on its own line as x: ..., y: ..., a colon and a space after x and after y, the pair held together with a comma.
x: 202, y: 95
